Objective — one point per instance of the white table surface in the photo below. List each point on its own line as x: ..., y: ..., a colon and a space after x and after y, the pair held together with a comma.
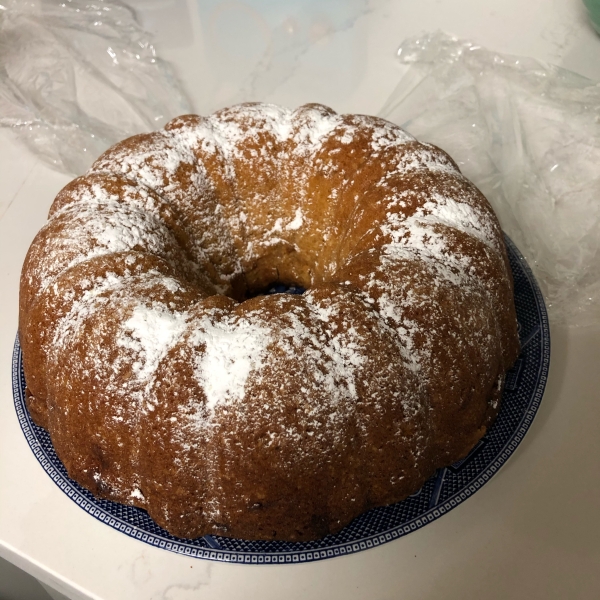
x: 533, y: 532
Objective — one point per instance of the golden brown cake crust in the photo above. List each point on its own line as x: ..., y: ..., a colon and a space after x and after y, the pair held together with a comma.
x: 166, y: 382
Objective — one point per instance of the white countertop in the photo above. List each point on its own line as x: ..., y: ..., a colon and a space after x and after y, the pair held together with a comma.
x: 532, y: 532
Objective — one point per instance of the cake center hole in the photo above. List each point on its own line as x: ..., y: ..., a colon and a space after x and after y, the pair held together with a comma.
x: 278, y: 288
x: 282, y: 288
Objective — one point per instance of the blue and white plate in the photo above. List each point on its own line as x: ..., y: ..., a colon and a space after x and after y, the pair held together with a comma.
x: 450, y: 486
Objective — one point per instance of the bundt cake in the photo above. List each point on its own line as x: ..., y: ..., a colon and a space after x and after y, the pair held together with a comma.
x: 169, y: 380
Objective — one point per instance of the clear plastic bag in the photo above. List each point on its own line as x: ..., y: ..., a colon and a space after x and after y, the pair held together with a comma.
x: 78, y: 76
x: 528, y: 135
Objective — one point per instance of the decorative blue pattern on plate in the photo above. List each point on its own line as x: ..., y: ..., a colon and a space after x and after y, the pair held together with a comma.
x: 524, y: 388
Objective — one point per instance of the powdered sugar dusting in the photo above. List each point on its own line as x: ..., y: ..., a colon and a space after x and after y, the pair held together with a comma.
x: 414, y: 358
x: 459, y: 215
x: 137, y: 494
x: 232, y: 350
x: 418, y: 235
x: 314, y: 129
x: 297, y: 221
x: 150, y: 332
x: 100, y: 227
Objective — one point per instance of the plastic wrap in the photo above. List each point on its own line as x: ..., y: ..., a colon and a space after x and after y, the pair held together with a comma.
x: 78, y: 76
x: 528, y: 135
